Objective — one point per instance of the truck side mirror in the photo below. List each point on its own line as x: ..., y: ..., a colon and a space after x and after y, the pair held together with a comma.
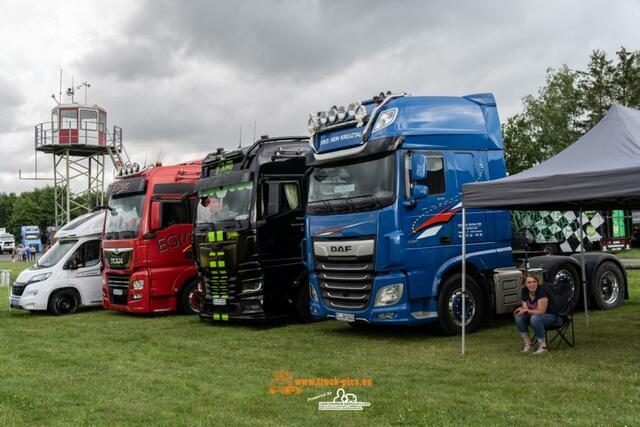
x: 418, y: 167
x: 72, y: 264
x: 419, y: 191
x: 156, y: 219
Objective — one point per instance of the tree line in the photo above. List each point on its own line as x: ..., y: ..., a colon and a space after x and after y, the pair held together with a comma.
x: 569, y: 104
x: 35, y: 207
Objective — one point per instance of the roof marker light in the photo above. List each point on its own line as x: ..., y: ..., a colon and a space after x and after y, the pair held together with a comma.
x: 342, y: 113
x: 361, y: 113
x: 352, y: 108
x: 333, y: 114
x: 323, y: 117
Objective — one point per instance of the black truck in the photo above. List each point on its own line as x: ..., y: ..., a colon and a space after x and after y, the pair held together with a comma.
x: 249, y: 225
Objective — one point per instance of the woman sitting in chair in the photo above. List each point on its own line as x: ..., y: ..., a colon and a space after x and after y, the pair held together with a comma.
x: 537, y: 310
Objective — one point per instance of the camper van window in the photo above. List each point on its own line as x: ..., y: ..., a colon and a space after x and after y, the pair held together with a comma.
x: 56, y: 253
x: 88, y: 254
x: 175, y: 213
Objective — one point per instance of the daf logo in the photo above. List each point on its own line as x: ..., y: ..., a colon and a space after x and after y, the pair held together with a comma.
x: 335, y: 249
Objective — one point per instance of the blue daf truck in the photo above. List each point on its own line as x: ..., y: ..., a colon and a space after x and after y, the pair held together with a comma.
x: 383, y: 223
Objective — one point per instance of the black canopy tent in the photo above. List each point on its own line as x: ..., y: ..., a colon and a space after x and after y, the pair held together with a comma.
x: 601, y: 170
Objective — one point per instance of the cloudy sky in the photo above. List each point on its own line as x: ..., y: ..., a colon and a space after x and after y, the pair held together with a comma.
x: 182, y: 77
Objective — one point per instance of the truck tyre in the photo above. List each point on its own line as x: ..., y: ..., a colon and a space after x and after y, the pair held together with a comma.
x: 566, y: 274
x: 301, y: 303
x: 450, y: 305
x: 607, y: 287
x: 187, y: 302
x: 63, y: 302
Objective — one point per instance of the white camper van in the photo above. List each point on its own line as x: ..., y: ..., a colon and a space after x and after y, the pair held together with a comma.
x: 68, y: 275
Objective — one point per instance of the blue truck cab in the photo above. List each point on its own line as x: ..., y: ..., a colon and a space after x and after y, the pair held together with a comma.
x: 383, y: 223
x: 31, y: 237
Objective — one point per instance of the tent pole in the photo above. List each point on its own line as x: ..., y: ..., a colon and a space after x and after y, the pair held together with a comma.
x: 464, y: 275
x: 583, y: 274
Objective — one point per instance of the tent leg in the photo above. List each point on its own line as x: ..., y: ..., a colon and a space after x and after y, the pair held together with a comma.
x: 583, y: 274
x: 464, y: 275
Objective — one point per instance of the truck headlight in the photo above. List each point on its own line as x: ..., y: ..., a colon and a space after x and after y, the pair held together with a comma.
x: 39, y: 277
x: 386, y: 118
x: 313, y: 295
x: 252, y: 286
x: 389, y: 295
x: 137, y: 285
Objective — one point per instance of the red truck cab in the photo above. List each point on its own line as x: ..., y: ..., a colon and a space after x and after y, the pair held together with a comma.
x: 148, y: 261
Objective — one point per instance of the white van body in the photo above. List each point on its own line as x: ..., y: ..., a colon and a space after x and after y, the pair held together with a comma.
x: 68, y: 275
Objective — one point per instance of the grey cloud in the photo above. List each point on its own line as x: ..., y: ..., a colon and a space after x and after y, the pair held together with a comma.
x: 11, y: 99
x: 132, y: 58
x: 299, y: 40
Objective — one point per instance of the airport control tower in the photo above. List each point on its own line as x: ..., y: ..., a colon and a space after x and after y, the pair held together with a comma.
x: 79, y: 139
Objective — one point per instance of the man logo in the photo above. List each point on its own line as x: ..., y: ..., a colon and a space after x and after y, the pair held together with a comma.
x: 340, y: 248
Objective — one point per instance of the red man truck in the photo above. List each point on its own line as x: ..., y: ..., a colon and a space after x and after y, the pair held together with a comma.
x: 148, y: 261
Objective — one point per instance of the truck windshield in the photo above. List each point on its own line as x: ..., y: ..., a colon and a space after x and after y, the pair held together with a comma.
x: 123, y: 220
x: 32, y: 236
x: 365, y: 185
x: 228, y: 203
x: 56, y: 253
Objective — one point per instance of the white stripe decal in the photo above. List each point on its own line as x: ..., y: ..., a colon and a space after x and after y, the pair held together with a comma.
x: 431, y: 231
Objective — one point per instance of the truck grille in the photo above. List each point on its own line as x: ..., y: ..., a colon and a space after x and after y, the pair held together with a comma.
x: 119, y: 284
x: 18, y: 289
x: 345, y: 282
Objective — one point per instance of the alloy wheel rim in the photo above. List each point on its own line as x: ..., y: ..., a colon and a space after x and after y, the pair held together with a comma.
x: 609, y: 287
x: 455, y: 307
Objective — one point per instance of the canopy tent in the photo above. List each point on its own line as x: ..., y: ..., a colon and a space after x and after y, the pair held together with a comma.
x: 601, y: 170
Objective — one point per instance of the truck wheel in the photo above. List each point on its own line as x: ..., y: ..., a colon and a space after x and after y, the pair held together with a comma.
x: 450, y: 305
x: 566, y: 275
x: 63, y: 302
x: 607, y: 287
x: 188, y: 302
x: 301, y: 303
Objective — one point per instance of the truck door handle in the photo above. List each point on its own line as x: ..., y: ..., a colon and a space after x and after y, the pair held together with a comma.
x: 445, y: 240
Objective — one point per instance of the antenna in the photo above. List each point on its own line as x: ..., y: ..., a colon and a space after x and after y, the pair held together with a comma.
x: 60, y: 93
x: 86, y: 86
x: 240, y: 139
x: 254, y: 131
x: 159, y: 158
x: 71, y: 90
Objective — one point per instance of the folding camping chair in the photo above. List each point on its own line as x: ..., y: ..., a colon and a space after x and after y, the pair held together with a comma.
x: 563, y: 296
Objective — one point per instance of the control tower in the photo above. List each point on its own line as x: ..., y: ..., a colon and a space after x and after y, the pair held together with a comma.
x: 79, y: 139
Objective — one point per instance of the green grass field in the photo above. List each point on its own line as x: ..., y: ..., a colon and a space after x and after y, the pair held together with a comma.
x: 630, y: 253
x: 106, y: 368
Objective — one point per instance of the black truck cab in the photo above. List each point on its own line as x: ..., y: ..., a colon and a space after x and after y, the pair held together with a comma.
x: 248, y: 229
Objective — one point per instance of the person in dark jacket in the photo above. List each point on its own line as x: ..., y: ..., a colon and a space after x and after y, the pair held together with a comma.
x: 537, y: 310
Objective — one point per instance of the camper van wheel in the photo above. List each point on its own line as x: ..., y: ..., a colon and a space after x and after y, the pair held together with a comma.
x: 450, y: 305
x: 607, y: 288
x: 63, y: 302
x: 187, y: 299
x: 301, y: 303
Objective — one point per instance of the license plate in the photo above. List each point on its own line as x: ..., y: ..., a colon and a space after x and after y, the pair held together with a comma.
x: 219, y: 301
x: 13, y: 301
x: 345, y: 317
x: 118, y: 292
